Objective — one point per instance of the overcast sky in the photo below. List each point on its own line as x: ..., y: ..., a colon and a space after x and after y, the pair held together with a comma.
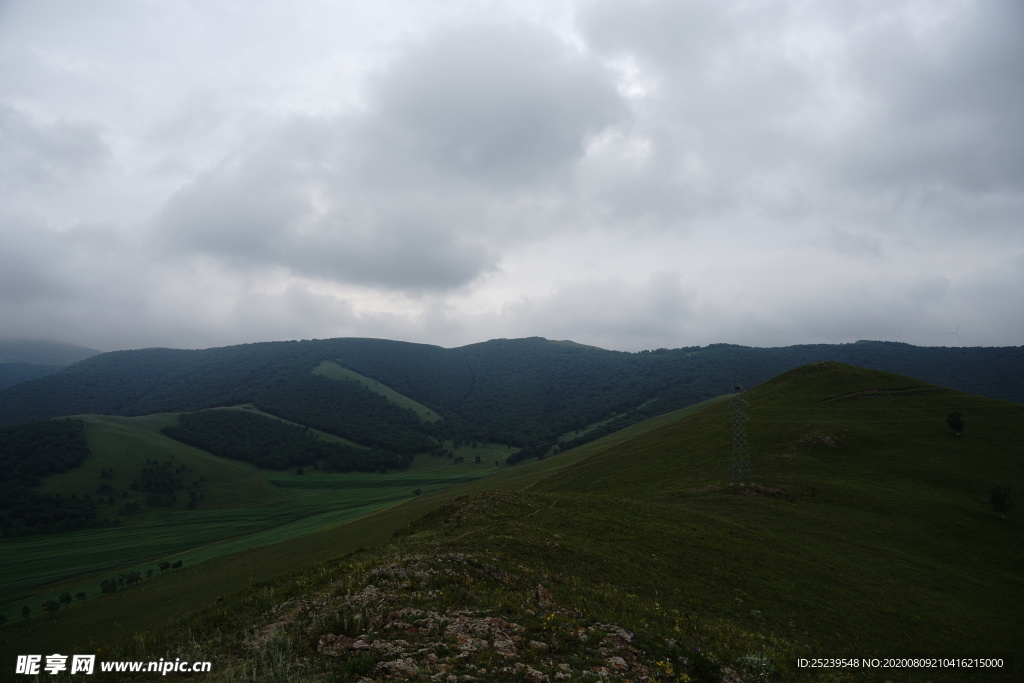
x: 634, y: 174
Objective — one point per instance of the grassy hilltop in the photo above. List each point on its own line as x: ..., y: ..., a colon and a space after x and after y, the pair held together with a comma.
x: 867, y: 532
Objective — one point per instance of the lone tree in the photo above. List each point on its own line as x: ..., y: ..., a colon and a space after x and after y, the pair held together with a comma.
x: 1001, y: 501
x: 26, y: 611
x: 51, y: 606
x: 65, y: 599
x: 955, y: 423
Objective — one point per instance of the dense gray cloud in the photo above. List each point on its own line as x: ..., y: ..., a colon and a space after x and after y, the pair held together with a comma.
x: 944, y: 105
x: 609, y: 312
x: 794, y: 107
x: 509, y: 107
x: 626, y: 174
x: 44, y: 266
x: 36, y: 157
x: 403, y: 195
x: 306, y: 209
x: 24, y: 277
x: 724, y: 96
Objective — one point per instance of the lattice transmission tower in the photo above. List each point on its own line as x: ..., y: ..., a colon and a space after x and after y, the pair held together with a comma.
x: 740, y: 452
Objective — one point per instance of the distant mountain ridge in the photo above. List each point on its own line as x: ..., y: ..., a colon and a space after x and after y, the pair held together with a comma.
x: 16, y: 373
x: 24, y: 359
x: 43, y: 352
x: 515, y: 391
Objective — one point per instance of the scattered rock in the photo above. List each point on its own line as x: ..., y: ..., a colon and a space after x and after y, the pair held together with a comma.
x: 613, y: 630
x: 336, y: 646
x: 817, y: 440
x: 389, y: 648
x: 530, y: 674
x: 730, y: 676
x: 506, y: 647
x: 397, y: 669
x: 535, y: 676
x: 542, y: 596
x: 450, y: 643
x: 617, y: 663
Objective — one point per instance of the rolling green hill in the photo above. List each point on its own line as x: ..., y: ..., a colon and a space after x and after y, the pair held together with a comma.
x: 204, y: 506
x: 517, y: 391
x: 867, y: 532
x: 16, y: 373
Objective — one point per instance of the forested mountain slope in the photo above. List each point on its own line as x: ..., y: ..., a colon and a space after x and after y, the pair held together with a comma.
x: 16, y: 373
x: 517, y: 391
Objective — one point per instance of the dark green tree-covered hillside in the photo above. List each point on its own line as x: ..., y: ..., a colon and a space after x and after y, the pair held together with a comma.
x: 528, y: 390
x: 273, y: 444
x: 149, y: 381
x: 28, y: 453
x: 518, y: 391
x: 31, y: 451
x: 346, y: 409
x: 16, y: 373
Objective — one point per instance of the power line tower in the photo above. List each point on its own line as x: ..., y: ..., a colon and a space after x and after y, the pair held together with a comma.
x: 740, y: 453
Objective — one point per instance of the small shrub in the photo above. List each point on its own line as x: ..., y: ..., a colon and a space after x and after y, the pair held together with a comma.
x: 359, y: 664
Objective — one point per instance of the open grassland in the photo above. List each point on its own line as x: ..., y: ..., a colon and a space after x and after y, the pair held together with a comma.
x: 869, y: 532
x: 166, y: 597
x: 242, y: 507
x: 334, y: 371
x: 644, y: 425
x: 123, y: 445
x: 866, y: 532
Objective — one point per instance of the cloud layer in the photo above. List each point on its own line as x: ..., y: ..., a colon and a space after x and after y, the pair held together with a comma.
x: 631, y: 175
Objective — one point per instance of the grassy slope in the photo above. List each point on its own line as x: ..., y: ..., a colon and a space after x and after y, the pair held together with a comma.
x: 168, y: 597
x: 334, y: 371
x: 243, y: 507
x: 123, y: 444
x: 877, y: 539
x: 883, y: 543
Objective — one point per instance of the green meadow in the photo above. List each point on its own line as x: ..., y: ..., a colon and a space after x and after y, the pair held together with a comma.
x: 242, y: 507
x: 866, y: 532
